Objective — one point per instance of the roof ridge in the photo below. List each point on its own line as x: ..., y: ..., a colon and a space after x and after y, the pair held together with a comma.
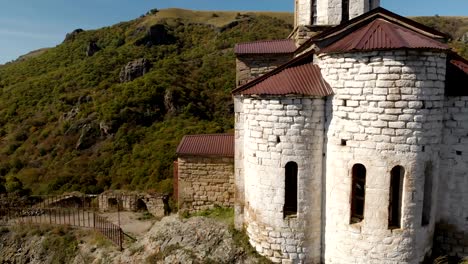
x: 365, y: 33
x: 213, y: 134
x: 266, y: 40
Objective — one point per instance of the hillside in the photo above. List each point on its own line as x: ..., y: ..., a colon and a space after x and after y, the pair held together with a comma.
x: 69, y: 121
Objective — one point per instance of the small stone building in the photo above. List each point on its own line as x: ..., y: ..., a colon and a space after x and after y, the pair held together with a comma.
x: 205, y: 172
x: 133, y: 202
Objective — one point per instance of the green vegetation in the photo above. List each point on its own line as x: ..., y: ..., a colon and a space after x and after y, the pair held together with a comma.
x: 67, y: 123
x: 219, y: 213
x: 45, y: 243
x: 455, y: 27
x: 55, y: 105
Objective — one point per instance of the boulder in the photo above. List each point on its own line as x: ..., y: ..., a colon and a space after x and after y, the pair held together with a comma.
x: 71, y: 36
x: 134, y: 69
x: 464, y: 38
x: 92, y: 48
x: 156, y: 35
x: 169, y: 102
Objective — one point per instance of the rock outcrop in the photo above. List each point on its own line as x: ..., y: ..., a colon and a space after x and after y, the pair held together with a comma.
x: 72, y: 35
x: 464, y: 38
x: 92, y: 48
x: 156, y: 35
x: 134, y: 69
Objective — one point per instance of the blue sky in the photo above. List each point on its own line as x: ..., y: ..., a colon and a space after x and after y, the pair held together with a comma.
x: 27, y: 25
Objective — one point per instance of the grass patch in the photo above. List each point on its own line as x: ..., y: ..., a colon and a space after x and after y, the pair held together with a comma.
x: 215, y: 18
x: 162, y: 254
x: 146, y: 216
x: 219, y: 213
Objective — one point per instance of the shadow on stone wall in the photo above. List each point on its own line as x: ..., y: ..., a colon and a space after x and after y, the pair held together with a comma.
x: 451, y: 242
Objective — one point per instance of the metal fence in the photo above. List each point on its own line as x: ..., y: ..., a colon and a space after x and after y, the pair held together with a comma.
x: 74, y: 211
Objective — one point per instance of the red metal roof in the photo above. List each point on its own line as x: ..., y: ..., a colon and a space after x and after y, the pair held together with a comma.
x: 382, y: 34
x: 207, y: 145
x: 298, y: 76
x: 461, y: 64
x: 282, y: 46
x: 457, y: 75
x: 304, y: 80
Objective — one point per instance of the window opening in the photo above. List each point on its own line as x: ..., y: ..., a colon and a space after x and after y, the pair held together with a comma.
x: 314, y: 12
x: 396, y: 197
x: 427, y: 200
x: 370, y: 5
x: 290, y: 194
x: 344, y: 11
x: 358, y: 193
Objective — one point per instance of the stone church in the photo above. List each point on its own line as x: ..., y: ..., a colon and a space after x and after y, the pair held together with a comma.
x: 351, y: 139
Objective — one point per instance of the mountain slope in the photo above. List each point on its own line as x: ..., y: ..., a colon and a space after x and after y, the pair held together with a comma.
x: 68, y: 123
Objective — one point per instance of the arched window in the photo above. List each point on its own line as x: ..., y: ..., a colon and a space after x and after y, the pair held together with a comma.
x: 427, y: 200
x: 344, y: 11
x: 396, y: 194
x: 290, y: 191
x: 358, y: 193
x: 371, y: 2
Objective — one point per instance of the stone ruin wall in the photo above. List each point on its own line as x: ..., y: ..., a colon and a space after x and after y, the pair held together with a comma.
x: 387, y: 111
x: 205, y: 182
x: 129, y: 202
x: 274, y: 132
x: 452, y: 226
x: 249, y: 67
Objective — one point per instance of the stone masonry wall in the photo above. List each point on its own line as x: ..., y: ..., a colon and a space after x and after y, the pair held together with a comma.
x: 452, y: 226
x: 329, y: 11
x: 154, y: 203
x: 387, y: 111
x: 239, y: 174
x: 205, y: 182
x: 275, y: 132
x: 253, y: 66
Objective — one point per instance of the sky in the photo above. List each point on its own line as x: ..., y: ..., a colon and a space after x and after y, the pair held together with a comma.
x: 27, y: 25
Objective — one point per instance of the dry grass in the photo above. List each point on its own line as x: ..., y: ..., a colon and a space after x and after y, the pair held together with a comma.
x: 32, y: 54
x: 216, y: 18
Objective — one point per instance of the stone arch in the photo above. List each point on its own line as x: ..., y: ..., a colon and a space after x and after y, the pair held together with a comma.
x: 141, y: 205
x: 113, y: 203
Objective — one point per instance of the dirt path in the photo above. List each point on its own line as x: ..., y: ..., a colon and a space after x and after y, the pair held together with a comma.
x: 131, y: 223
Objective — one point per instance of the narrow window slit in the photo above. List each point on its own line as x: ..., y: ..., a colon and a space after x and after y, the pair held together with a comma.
x: 290, y: 191
x: 358, y: 193
x: 396, y: 197
x: 427, y: 200
x: 344, y: 142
